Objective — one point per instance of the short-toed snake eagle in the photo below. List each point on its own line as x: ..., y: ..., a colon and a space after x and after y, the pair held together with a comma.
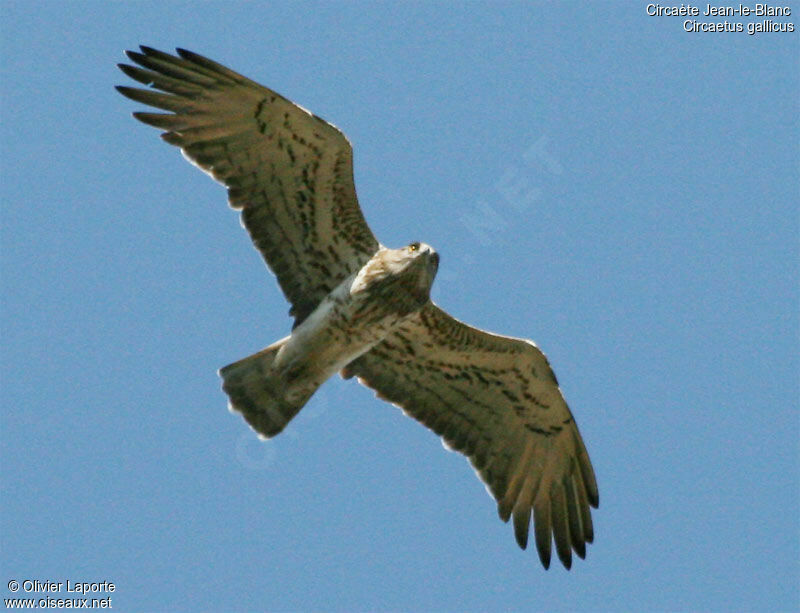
x: 364, y: 310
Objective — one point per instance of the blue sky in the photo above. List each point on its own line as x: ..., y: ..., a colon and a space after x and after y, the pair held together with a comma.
x: 618, y: 190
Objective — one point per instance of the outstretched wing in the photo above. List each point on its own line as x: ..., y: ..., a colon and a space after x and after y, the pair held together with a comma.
x: 496, y: 400
x: 288, y: 171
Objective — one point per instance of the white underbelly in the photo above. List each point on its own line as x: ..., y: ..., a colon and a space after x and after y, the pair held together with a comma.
x: 331, y: 337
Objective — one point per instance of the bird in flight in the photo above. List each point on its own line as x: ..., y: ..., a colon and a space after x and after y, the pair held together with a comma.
x: 363, y: 309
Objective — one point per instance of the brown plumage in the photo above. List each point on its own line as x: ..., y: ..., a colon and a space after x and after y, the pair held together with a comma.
x: 364, y: 310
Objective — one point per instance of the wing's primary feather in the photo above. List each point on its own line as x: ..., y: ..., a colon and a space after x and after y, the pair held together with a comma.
x: 496, y: 400
x: 287, y: 170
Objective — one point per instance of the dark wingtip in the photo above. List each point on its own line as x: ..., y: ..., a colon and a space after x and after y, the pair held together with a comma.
x: 126, y: 91
x: 544, y: 547
x: 191, y: 55
x: 544, y: 557
x: 566, y: 558
x: 521, y: 525
x: 157, y: 120
x: 126, y: 68
x: 134, y: 56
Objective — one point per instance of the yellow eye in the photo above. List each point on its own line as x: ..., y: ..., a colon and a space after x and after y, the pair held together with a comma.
x: 413, y: 246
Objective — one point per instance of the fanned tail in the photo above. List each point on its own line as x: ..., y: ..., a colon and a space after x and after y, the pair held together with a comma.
x: 260, y: 393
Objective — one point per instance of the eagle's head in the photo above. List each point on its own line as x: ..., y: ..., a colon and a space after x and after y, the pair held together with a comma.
x: 419, y: 259
x: 407, y: 272
x: 417, y: 265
